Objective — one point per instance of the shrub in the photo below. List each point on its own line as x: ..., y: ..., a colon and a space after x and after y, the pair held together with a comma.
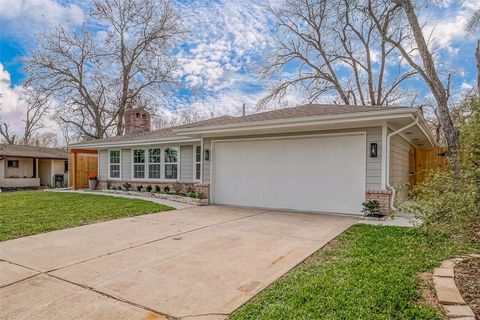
x: 371, y: 208
x: 166, y: 189
x: 114, y: 188
x: 177, y: 186
x: 140, y: 188
x: 109, y: 184
x: 448, y: 206
x: 191, y: 194
x: 157, y: 188
x: 127, y: 186
x: 200, y: 195
x: 149, y: 188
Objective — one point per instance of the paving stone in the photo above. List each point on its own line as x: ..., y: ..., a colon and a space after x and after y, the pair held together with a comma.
x: 456, y: 311
x: 475, y: 255
x: 448, y: 264
x: 443, y: 272
x: 447, y: 291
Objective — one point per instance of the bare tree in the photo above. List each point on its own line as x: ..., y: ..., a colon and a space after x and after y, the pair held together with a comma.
x: 335, y: 47
x: 8, y: 137
x: 94, y: 77
x: 472, y: 25
x: 37, y: 105
x: 403, y: 10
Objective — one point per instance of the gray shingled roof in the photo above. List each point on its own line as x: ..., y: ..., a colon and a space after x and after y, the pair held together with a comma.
x: 309, y: 110
x: 14, y: 150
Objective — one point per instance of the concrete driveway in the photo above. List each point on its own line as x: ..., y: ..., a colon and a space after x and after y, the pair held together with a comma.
x: 195, y: 263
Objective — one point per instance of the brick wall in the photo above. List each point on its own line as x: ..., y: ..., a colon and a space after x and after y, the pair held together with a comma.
x: 202, y: 187
x: 382, y: 196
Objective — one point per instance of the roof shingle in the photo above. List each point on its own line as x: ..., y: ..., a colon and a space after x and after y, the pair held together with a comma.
x: 15, y: 150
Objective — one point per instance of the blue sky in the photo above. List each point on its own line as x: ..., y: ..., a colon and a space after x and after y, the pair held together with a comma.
x: 220, y: 57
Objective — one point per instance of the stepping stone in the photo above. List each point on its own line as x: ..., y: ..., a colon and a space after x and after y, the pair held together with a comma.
x: 458, y: 311
x: 443, y: 272
x: 447, y: 291
x: 448, y: 264
x: 474, y: 255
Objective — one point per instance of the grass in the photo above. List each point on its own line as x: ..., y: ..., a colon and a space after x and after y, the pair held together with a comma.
x: 369, y: 272
x: 27, y: 213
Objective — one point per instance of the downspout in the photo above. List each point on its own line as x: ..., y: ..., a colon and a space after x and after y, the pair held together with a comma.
x: 387, y: 174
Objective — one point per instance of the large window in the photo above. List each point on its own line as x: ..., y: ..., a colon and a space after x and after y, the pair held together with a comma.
x: 13, y: 163
x: 114, y: 164
x: 138, y: 164
x: 154, y: 166
x: 197, y: 162
x: 171, y: 163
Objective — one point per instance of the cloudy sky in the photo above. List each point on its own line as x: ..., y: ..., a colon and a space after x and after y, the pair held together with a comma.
x: 219, y: 59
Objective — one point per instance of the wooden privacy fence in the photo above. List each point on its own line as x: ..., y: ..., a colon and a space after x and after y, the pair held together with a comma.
x: 82, y: 163
x: 422, y: 160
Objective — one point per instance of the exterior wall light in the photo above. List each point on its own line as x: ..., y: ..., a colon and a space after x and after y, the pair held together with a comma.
x: 206, y: 155
x: 373, y: 150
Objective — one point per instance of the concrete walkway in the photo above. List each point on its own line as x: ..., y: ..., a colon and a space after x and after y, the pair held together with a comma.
x: 195, y: 263
x: 173, y: 204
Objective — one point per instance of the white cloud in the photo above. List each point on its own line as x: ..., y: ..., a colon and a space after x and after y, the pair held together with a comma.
x: 23, y: 18
x: 12, y: 107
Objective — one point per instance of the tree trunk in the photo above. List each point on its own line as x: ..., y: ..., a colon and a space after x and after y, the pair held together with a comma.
x: 436, y: 87
x: 477, y: 55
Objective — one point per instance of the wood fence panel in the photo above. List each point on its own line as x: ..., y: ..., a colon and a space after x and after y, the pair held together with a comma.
x: 87, y: 163
x: 422, y: 160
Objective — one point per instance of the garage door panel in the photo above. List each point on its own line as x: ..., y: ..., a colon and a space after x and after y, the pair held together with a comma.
x: 314, y: 174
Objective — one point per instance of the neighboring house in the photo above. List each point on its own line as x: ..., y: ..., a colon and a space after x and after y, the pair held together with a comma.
x: 327, y: 158
x: 29, y: 166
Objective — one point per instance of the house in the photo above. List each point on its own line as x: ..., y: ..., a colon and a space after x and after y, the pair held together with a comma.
x: 320, y: 158
x: 30, y: 166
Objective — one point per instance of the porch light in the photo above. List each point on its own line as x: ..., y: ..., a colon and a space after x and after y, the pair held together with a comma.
x: 206, y: 155
x: 373, y: 150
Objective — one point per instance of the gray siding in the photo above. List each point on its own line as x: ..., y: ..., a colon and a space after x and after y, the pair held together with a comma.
x: 374, y: 170
x: 399, y: 164
x: 103, y: 164
x: 126, y: 164
x: 186, y: 163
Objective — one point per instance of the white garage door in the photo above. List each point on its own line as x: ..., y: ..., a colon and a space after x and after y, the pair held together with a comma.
x: 321, y: 173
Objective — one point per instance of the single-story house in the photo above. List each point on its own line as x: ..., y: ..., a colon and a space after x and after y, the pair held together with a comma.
x: 319, y: 158
x: 30, y: 166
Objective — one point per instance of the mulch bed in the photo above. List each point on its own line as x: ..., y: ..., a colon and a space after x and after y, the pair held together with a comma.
x: 467, y: 278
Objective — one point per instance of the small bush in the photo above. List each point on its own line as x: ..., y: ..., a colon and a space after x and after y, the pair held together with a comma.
x: 166, y: 189
x: 191, y: 194
x: 149, y: 188
x: 177, y: 186
x: 200, y: 195
x: 157, y: 188
x: 371, y: 208
x: 127, y: 186
x: 109, y: 184
x: 448, y: 206
x: 140, y: 188
x: 114, y: 188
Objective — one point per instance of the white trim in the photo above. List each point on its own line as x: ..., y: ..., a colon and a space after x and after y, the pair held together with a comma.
x: 133, y: 144
x: 384, y: 156
x: 194, y: 175
x: 120, y: 164
x: 177, y: 163
x: 145, y: 166
x: 319, y: 135
x: 202, y: 161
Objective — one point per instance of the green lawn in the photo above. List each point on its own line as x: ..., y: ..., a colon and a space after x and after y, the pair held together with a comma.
x: 32, y: 212
x: 367, y: 273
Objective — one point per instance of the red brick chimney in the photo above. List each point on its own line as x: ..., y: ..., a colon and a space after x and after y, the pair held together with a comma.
x: 136, y: 120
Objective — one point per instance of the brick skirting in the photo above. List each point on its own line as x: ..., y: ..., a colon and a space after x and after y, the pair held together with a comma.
x: 382, y: 196
x: 202, y: 187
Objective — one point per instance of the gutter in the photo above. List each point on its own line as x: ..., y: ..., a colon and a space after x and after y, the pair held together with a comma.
x: 387, y: 174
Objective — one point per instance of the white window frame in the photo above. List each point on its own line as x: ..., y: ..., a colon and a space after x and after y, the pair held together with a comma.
x: 195, y: 162
x: 165, y: 163
x: 145, y: 167
x: 119, y: 164
x: 148, y: 163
